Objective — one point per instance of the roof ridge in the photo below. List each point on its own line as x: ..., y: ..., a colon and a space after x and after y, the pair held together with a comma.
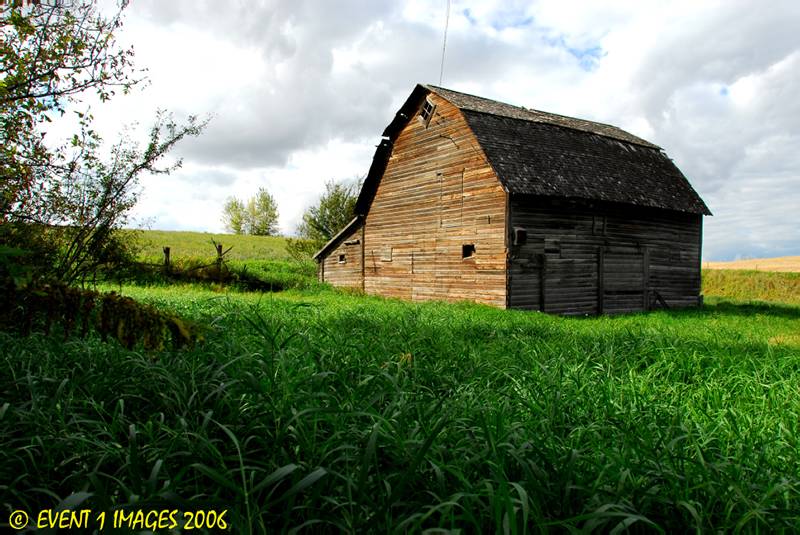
x: 583, y: 125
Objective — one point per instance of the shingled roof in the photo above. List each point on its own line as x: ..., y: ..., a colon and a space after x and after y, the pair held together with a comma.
x: 546, y: 154
x: 501, y: 109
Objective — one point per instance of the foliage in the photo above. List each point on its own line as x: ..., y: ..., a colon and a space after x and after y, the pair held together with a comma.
x: 50, y: 55
x: 334, y: 210
x: 262, y: 214
x: 361, y: 414
x: 234, y: 215
x: 257, y: 217
x: 301, y: 249
x: 109, y: 314
x: 65, y: 203
x: 752, y: 285
x: 276, y: 274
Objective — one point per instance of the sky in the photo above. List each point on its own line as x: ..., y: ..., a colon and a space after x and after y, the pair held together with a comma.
x: 299, y: 92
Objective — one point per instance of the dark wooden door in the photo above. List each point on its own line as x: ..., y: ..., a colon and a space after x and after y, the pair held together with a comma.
x: 622, y: 280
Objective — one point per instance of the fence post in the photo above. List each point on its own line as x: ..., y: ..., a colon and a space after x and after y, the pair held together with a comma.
x: 166, y: 260
x: 219, y: 261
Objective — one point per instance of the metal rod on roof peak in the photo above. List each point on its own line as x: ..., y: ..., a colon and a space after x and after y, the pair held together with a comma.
x: 444, y: 42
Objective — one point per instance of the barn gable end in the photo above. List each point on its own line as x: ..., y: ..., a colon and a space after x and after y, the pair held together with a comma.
x: 436, y: 196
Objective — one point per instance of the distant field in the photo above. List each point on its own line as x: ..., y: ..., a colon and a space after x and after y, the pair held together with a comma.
x: 783, y: 263
x: 184, y: 244
x: 743, y: 285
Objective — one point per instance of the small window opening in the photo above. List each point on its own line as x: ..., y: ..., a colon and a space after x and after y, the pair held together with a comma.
x: 468, y: 250
x: 427, y: 112
x: 342, y: 259
x: 520, y: 236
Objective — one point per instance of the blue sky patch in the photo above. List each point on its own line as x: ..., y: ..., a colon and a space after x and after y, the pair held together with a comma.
x: 511, y: 21
x: 468, y: 14
x: 503, y: 21
x: 588, y: 58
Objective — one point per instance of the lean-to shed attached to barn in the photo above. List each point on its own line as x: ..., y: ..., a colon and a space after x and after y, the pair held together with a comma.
x: 472, y: 199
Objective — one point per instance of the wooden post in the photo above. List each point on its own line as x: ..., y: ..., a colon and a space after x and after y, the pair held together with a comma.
x: 166, y: 260
x: 219, y: 261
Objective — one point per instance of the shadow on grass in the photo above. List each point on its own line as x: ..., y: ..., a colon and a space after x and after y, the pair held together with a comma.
x: 747, y: 309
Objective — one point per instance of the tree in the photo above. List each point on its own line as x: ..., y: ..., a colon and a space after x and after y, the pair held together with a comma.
x: 258, y: 217
x: 234, y: 216
x: 333, y: 211
x: 63, y: 203
x: 262, y: 214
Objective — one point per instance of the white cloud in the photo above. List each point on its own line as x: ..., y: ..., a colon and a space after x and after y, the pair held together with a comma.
x: 300, y: 91
x: 192, y: 197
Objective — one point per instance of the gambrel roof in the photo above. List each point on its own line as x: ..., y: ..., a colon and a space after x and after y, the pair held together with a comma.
x: 545, y: 154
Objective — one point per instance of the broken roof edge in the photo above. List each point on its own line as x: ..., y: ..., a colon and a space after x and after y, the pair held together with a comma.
x: 338, y: 237
x: 370, y: 186
x: 403, y: 115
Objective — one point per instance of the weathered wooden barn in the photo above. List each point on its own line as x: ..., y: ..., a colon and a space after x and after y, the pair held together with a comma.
x: 472, y: 199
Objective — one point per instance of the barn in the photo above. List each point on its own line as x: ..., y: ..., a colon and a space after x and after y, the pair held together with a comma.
x: 472, y: 199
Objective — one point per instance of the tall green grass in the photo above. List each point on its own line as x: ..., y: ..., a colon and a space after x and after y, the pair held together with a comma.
x: 331, y: 412
x: 752, y: 285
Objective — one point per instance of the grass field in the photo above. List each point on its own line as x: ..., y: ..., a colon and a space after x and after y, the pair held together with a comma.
x: 263, y: 258
x: 194, y: 245
x: 752, y: 285
x: 330, y: 411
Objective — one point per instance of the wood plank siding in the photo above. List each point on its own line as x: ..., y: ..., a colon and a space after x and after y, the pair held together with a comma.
x: 437, y: 195
x: 473, y: 199
x: 343, y: 266
x: 590, y: 258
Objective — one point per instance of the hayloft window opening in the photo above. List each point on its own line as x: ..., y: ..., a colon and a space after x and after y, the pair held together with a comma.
x: 467, y: 250
x: 427, y: 112
x: 599, y: 225
x: 342, y: 259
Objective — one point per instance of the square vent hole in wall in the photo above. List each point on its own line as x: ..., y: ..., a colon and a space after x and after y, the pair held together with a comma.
x: 520, y: 236
x: 342, y: 259
x: 468, y: 250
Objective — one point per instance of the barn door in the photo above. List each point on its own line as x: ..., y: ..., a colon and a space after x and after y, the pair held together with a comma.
x: 623, y: 274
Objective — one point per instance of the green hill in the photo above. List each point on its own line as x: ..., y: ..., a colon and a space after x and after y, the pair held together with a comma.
x: 185, y: 244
